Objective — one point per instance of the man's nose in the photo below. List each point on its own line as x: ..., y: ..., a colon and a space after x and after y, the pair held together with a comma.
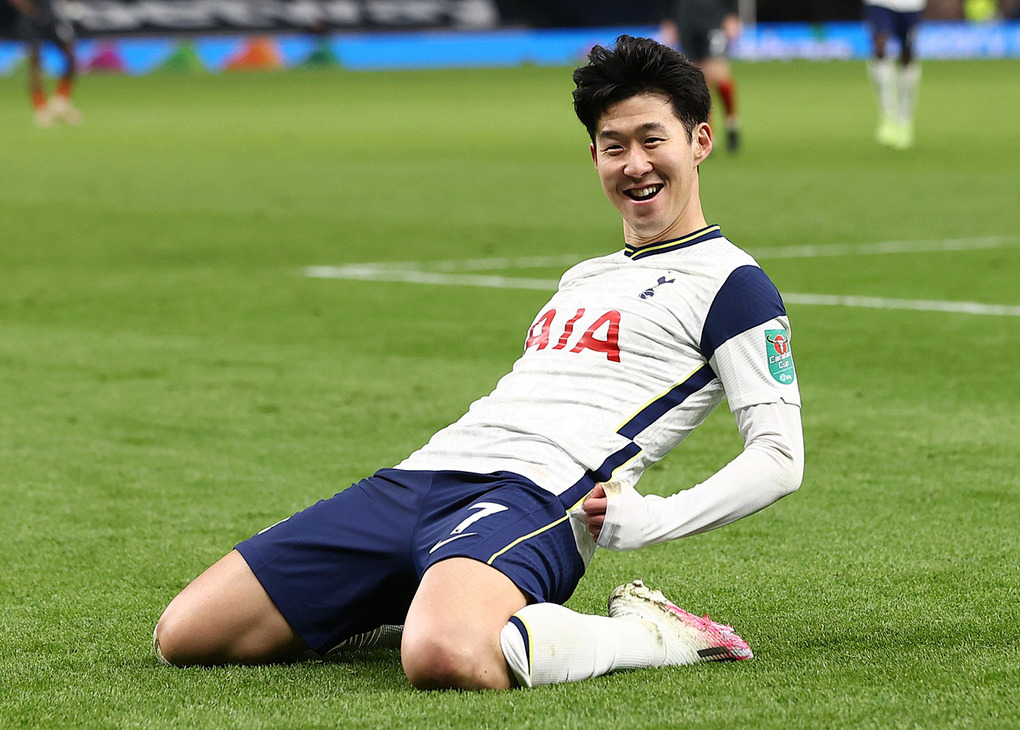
x: 637, y: 163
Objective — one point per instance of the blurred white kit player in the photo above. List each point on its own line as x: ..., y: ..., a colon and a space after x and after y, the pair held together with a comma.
x: 895, y: 81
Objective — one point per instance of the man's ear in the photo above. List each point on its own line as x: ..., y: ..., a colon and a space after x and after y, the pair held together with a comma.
x: 594, y: 157
x: 701, y: 142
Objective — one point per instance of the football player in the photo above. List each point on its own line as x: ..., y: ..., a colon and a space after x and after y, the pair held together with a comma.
x: 44, y: 20
x: 895, y: 81
x: 704, y: 30
x: 474, y: 542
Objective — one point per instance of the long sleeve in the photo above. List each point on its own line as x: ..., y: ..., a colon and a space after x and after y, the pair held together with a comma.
x: 770, y: 466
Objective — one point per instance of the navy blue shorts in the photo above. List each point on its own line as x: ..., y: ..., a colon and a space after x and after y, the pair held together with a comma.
x: 353, y: 562
x: 700, y: 44
x: 901, y: 26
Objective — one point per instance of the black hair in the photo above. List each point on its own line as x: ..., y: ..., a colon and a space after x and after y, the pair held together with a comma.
x: 639, y: 66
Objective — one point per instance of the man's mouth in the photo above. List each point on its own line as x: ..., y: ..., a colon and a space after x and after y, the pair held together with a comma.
x: 641, y: 194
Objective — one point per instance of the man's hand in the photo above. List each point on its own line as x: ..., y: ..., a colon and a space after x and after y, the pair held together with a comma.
x: 616, y: 515
x: 25, y: 7
x: 593, y: 511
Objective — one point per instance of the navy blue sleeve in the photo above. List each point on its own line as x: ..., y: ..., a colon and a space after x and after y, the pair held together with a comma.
x: 746, y: 299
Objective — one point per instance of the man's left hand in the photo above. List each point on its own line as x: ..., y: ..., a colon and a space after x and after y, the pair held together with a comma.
x: 593, y: 511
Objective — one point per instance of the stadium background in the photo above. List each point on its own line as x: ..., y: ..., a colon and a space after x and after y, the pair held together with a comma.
x: 137, y: 37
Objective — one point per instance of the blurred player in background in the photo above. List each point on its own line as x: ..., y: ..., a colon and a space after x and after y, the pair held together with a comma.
x: 895, y: 81
x: 703, y: 30
x: 476, y: 540
x: 44, y: 20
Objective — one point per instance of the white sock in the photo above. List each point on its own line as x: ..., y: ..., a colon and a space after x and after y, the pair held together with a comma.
x: 545, y: 643
x: 910, y: 79
x: 883, y: 80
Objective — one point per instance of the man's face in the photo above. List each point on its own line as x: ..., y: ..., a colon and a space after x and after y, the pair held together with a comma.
x: 649, y: 168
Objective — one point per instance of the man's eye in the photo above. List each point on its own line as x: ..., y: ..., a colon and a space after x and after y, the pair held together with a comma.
x: 652, y: 141
x: 614, y: 149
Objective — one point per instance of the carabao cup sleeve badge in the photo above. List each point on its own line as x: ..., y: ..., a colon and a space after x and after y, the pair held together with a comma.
x: 777, y: 350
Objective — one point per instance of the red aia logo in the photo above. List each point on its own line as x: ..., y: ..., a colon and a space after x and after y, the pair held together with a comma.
x: 603, y: 335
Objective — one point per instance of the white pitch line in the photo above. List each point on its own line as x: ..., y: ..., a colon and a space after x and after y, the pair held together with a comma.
x: 917, y: 305
x: 443, y: 272
x: 521, y: 262
x: 886, y: 247
x: 779, y: 252
x: 491, y: 264
x: 365, y: 273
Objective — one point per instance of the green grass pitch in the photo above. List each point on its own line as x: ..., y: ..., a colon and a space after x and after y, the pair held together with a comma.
x: 171, y: 382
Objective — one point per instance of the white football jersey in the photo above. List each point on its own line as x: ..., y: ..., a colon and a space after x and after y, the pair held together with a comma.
x: 900, y: 6
x: 632, y: 353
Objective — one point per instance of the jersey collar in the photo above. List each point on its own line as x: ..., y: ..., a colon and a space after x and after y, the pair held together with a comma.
x: 705, y: 234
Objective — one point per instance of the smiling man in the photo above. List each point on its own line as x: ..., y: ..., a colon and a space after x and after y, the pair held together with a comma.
x: 467, y: 550
x: 648, y: 164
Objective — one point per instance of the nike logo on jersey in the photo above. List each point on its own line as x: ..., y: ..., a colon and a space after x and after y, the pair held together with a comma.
x: 448, y: 540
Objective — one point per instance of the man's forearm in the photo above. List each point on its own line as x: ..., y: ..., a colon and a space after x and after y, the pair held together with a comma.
x: 25, y: 7
x: 770, y: 467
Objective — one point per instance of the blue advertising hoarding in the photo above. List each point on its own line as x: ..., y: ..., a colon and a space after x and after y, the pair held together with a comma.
x: 494, y: 48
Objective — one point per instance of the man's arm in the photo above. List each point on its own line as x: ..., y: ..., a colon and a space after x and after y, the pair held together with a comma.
x: 770, y: 466
x: 25, y: 7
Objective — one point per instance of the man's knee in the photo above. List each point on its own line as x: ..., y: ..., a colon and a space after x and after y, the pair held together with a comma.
x: 451, y: 633
x: 180, y: 642
x: 451, y: 662
x: 225, y: 616
x: 172, y: 654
